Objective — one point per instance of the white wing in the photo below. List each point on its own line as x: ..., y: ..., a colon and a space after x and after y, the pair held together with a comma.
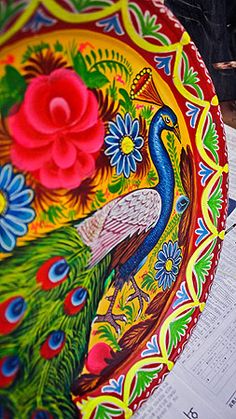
x: 121, y: 218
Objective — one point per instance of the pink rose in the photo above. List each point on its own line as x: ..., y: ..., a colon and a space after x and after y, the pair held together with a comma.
x: 57, y: 132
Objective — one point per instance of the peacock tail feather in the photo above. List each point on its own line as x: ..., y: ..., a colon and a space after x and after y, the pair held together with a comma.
x: 49, y: 298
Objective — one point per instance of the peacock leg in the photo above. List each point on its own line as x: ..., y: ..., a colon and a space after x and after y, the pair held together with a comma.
x: 138, y: 293
x: 109, y: 316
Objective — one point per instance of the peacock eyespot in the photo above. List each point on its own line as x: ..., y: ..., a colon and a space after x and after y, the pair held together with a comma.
x: 41, y: 414
x: 53, y: 272
x: 75, y: 301
x: 9, y: 367
x: 11, y: 313
x: 53, y: 344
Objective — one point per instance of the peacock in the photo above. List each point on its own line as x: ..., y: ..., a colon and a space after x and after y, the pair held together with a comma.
x: 51, y: 287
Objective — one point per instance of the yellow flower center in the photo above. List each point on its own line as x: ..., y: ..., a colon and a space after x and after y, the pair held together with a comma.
x: 3, y: 203
x: 127, y: 145
x: 168, y: 265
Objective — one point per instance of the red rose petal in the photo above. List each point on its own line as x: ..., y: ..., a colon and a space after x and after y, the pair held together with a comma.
x: 68, y: 85
x: 64, y: 153
x: 90, y: 117
x: 90, y: 140
x: 23, y: 133
x: 72, y: 177
x: 28, y: 158
x: 48, y: 176
x: 59, y: 111
x: 42, y: 90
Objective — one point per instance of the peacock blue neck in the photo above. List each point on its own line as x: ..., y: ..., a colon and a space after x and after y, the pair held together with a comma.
x: 165, y: 188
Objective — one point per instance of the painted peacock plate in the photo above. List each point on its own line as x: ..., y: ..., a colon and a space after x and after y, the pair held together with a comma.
x: 113, y: 199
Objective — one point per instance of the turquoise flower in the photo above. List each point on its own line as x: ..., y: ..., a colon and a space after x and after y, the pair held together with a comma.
x: 15, y: 211
x: 167, y: 265
x: 123, y: 144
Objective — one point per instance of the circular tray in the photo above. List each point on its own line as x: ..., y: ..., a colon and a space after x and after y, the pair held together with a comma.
x: 113, y: 200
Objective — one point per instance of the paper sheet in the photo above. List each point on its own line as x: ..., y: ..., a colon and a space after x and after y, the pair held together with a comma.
x: 202, y: 384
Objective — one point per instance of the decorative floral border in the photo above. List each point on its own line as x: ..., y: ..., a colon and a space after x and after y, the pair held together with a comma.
x: 125, y: 392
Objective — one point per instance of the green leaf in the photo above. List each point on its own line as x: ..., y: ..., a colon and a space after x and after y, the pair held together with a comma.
x: 105, y: 412
x: 152, y: 178
x: 143, y: 379
x: 149, y: 282
x: 58, y: 47
x: 95, y: 80
x: 215, y: 202
x: 107, y: 333
x: 79, y: 65
x: 12, y: 89
x: 211, y: 138
x: 202, y: 267
x: 177, y: 329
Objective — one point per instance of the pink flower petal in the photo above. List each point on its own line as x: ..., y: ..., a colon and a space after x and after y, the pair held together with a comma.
x: 59, y: 111
x: 42, y: 90
x: 90, y: 117
x: 90, y: 140
x: 64, y: 153
x: 29, y: 159
x: 48, y: 176
x: 83, y: 168
x: 23, y: 133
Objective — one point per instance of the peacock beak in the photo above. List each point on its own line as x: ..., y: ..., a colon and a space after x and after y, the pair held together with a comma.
x: 177, y: 132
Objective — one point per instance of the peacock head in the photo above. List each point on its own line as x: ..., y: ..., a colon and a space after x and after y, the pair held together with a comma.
x: 166, y: 119
x: 143, y: 88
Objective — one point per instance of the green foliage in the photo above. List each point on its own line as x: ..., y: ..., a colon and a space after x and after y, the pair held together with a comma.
x: 178, y: 328
x: 129, y: 309
x: 108, y: 60
x: 211, y: 139
x: 149, y: 282
x: 34, y: 49
x: 53, y: 214
x: 175, y: 161
x: 190, y: 77
x: 152, y: 178
x: 58, y: 47
x: 202, y: 268
x: 99, y: 200
x: 126, y: 103
x: 118, y: 184
x: 143, y: 379
x: 215, y: 201
x: 83, y: 5
x: 105, y: 412
x: 12, y: 89
x: 148, y: 25
x: 107, y: 333
x: 46, y: 383
x: 147, y: 113
x: 93, y: 79
x: 8, y: 10
x: 113, y: 91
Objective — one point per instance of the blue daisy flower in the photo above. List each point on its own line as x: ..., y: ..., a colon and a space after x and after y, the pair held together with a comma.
x: 123, y: 144
x: 15, y: 211
x: 167, y: 265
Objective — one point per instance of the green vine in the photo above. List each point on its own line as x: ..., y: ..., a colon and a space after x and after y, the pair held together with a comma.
x: 211, y: 138
x: 175, y: 162
x: 190, y: 77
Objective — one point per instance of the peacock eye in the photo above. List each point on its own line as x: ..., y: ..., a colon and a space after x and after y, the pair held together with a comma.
x: 167, y: 120
x: 12, y: 311
x: 58, y: 271
x: 56, y: 339
x: 75, y: 301
x: 52, y: 272
x: 53, y: 345
x: 41, y: 414
x: 79, y: 296
x: 15, y: 310
x: 10, y: 366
